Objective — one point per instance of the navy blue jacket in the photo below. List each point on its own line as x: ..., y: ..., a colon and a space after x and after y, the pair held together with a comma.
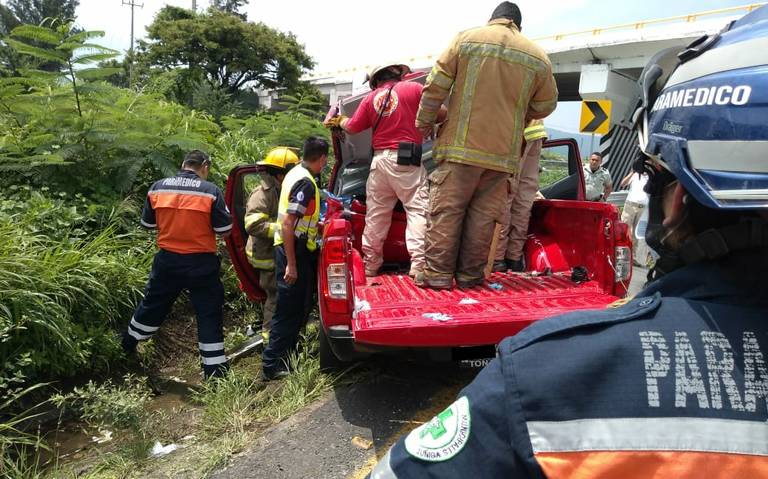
x: 672, y: 384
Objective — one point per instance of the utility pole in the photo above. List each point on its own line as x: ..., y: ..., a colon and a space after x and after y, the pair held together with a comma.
x: 194, y: 5
x: 132, y: 4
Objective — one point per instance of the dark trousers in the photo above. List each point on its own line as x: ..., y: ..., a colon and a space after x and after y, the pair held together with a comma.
x: 171, y: 273
x: 293, y: 307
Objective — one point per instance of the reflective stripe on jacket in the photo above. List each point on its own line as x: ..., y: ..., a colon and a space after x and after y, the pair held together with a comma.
x: 498, y: 79
x: 188, y: 213
x: 306, y: 226
x: 535, y: 131
x: 260, y: 223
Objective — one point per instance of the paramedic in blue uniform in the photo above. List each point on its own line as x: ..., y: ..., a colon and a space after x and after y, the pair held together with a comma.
x: 674, y: 383
x: 188, y: 213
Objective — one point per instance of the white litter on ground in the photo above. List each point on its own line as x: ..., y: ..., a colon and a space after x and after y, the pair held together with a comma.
x: 159, y: 450
x: 437, y: 316
x: 106, y: 436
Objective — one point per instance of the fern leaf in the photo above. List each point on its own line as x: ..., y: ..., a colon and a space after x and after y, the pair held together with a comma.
x: 37, y: 52
x: 85, y: 35
x: 37, y: 34
x: 186, y: 142
x: 92, y: 58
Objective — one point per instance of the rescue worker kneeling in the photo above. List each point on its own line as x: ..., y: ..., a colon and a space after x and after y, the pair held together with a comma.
x: 188, y: 212
x: 396, y: 171
x: 673, y: 384
x: 261, y: 224
x: 296, y: 239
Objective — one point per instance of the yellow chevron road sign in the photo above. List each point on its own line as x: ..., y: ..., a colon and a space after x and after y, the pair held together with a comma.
x: 595, y: 116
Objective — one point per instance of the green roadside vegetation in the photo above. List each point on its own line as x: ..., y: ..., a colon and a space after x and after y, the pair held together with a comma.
x: 81, y: 139
x: 218, y: 419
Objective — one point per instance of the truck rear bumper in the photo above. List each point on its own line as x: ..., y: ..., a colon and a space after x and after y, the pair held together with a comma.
x: 392, y: 311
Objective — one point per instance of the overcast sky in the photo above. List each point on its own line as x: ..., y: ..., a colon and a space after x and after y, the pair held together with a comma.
x: 340, y: 34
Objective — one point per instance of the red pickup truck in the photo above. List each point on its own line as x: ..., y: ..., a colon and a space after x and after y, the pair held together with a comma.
x: 362, y: 315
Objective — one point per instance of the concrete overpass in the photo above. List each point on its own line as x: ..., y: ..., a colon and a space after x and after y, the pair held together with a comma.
x: 591, y: 64
x: 595, y: 64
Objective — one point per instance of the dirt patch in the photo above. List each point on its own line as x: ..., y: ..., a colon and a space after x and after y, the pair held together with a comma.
x: 175, y: 344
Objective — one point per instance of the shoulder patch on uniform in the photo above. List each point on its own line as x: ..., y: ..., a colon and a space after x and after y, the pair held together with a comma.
x: 300, y: 196
x: 444, y: 436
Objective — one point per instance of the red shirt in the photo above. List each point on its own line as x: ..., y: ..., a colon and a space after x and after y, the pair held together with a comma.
x: 398, y: 123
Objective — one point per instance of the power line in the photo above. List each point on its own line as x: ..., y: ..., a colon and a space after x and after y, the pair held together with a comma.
x: 132, y: 4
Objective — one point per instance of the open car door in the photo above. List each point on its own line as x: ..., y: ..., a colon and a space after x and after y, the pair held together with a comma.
x: 561, y: 176
x: 240, y: 183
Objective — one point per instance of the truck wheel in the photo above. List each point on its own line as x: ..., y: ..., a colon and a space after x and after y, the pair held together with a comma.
x: 328, y: 360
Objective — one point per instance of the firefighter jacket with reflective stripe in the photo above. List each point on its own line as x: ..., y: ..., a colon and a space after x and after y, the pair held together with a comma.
x: 306, y: 226
x: 497, y: 79
x: 535, y: 131
x: 188, y: 212
x: 261, y: 223
x: 672, y: 384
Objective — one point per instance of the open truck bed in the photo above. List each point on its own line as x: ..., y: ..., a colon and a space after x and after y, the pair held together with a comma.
x: 392, y: 310
x: 390, y: 313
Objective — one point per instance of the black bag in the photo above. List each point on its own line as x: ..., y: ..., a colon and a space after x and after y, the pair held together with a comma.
x: 408, y: 154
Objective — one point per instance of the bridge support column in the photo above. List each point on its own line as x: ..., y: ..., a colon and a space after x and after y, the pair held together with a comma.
x: 600, y: 82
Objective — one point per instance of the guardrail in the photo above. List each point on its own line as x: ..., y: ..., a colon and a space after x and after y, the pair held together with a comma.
x: 642, y: 24
x: 618, y: 198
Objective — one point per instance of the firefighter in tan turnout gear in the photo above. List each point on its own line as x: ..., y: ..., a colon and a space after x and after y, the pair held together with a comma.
x: 261, y: 221
x: 523, y: 188
x: 498, y: 80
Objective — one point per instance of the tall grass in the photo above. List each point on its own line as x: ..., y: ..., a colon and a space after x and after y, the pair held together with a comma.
x: 60, y: 298
x: 18, y: 446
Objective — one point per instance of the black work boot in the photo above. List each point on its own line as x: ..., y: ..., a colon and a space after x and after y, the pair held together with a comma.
x: 499, y: 266
x: 516, y: 265
x: 470, y: 283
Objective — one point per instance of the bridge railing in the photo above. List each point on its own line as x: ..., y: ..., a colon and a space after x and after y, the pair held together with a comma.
x: 644, y: 23
x: 592, y: 32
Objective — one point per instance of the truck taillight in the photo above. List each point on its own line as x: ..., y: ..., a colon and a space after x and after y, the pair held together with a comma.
x: 623, y: 266
x: 622, y: 253
x: 335, y: 277
x: 336, y: 274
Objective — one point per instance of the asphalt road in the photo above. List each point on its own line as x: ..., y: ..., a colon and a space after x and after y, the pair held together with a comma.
x: 344, y: 434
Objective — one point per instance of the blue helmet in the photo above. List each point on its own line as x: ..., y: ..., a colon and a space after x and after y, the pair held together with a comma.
x: 704, y: 116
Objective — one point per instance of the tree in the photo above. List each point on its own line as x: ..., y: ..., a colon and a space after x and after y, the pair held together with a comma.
x: 33, y: 12
x: 230, y: 6
x: 230, y: 52
x: 67, y: 49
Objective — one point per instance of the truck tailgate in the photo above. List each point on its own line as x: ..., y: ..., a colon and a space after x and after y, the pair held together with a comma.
x: 392, y: 310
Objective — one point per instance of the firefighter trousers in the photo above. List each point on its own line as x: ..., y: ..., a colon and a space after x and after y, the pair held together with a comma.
x: 465, y: 202
x: 171, y: 274
x: 387, y: 183
x: 292, y: 310
x: 269, y: 285
x: 522, y: 193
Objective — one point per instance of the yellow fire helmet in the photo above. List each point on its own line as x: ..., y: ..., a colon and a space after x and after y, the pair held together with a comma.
x: 281, y: 157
